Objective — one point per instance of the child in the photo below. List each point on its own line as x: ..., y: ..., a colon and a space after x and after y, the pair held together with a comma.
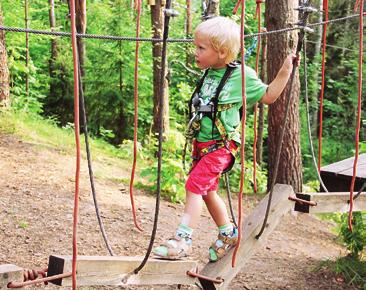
x: 217, y: 43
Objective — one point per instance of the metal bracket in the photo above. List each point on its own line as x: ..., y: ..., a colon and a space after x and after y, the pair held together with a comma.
x: 302, y: 207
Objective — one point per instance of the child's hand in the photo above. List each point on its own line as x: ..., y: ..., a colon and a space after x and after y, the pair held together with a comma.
x: 290, y: 61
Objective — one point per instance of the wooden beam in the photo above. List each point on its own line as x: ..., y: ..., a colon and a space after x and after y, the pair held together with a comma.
x: 335, y: 202
x: 9, y: 273
x: 279, y: 207
x: 118, y: 271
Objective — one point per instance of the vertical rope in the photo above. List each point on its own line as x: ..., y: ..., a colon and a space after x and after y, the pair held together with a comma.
x: 255, y: 138
x: 77, y: 141
x: 243, y: 121
x: 321, y: 97
x: 359, y: 4
x: 136, y: 101
x: 161, y: 125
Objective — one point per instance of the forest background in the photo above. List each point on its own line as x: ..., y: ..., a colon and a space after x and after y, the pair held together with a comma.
x: 41, y: 86
x: 42, y: 83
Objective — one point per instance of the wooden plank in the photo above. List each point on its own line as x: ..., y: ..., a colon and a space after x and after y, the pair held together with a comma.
x: 9, y: 273
x: 117, y: 271
x: 345, y: 167
x: 279, y: 207
x: 336, y: 202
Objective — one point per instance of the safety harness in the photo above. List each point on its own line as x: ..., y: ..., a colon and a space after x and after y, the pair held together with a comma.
x: 210, y: 110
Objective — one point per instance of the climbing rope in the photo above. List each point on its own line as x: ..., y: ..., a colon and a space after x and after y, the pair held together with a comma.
x: 359, y: 5
x: 77, y: 141
x: 228, y: 191
x: 90, y: 168
x: 321, y: 97
x: 136, y: 99
x: 243, y: 123
x: 255, y: 137
x: 167, y: 15
x: 178, y: 40
x: 33, y: 279
x: 305, y: 11
x: 308, y: 118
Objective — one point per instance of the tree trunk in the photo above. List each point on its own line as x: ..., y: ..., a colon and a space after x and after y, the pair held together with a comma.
x: 4, y: 71
x: 263, y: 77
x: 290, y: 168
x: 26, y: 21
x: 189, y: 31
x: 80, y: 11
x: 212, y: 8
x: 52, y: 61
x: 157, y: 26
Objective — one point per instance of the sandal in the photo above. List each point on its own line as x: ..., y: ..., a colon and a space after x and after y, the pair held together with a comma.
x: 174, y: 248
x: 222, y: 245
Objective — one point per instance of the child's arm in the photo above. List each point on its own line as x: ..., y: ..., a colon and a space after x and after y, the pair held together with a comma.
x: 276, y: 87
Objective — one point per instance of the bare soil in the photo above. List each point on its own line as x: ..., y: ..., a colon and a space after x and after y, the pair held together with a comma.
x: 36, y: 215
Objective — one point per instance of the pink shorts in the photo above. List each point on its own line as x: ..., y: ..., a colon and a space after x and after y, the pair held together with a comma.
x: 205, y: 175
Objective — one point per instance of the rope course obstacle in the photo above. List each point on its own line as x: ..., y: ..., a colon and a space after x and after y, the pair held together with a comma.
x: 122, y: 271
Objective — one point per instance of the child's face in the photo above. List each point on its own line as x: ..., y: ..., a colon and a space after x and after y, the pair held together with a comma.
x: 206, y: 56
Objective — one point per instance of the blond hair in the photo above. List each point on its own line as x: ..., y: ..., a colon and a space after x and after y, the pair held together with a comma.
x: 223, y: 33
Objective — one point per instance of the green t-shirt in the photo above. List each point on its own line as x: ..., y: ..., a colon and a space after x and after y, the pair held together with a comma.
x: 230, y: 94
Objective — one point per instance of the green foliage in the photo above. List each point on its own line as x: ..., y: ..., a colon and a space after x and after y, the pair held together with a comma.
x: 172, y: 173
x: 351, y: 268
x: 23, y: 224
x: 355, y: 240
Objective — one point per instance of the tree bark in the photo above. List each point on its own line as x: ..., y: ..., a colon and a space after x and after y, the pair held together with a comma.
x: 157, y: 22
x: 279, y: 45
x: 263, y: 77
x: 189, y: 31
x: 26, y: 21
x: 80, y: 11
x: 52, y: 61
x: 212, y: 9
x: 4, y: 71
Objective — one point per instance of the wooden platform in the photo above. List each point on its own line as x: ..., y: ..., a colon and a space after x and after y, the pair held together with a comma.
x: 330, y: 202
x: 337, y: 176
x: 9, y: 273
x: 117, y: 271
x: 249, y: 244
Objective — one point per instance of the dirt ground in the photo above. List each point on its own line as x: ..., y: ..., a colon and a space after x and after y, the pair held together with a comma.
x: 36, y: 213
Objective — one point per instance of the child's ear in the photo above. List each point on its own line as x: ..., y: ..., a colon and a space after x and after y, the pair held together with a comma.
x: 223, y: 53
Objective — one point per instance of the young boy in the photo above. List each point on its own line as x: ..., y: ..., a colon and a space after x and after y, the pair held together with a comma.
x: 217, y: 43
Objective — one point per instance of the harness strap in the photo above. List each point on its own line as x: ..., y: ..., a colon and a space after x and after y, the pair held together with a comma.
x: 219, y: 144
x: 229, y: 70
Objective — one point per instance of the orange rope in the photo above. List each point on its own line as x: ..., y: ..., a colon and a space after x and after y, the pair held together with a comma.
x: 136, y: 101
x: 321, y: 97
x: 359, y: 3
x: 257, y: 15
x: 236, y: 8
x: 243, y: 121
x: 38, y: 281
x: 77, y: 141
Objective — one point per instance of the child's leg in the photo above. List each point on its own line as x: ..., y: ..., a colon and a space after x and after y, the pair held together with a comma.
x: 191, y: 215
x: 228, y: 235
x: 180, y: 245
x: 192, y: 209
x: 216, y: 208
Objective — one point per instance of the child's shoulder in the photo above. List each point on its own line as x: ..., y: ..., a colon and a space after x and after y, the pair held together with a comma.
x: 248, y: 71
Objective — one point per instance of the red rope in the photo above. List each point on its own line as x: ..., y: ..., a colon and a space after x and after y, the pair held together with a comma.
x: 237, y: 5
x: 321, y: 97
x: 77, y: 141
x: 37, y: 281
x: 257, y: 15
x: 357, y: 5
x: 243, y: 121
x: 358, y: 121
x: 136, y: 101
